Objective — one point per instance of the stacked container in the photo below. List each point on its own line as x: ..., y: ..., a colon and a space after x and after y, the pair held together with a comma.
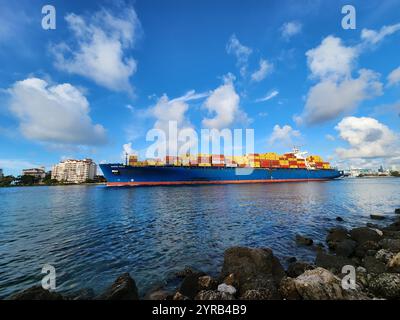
x: 241, y: 161
x: 172, y: 160
x: 132, y: 159
x: 218, y: 160
x: 204, y: 160
x: 254, y: 160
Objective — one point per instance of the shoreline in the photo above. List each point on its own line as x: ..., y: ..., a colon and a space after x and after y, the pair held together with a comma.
x: 257, y: 274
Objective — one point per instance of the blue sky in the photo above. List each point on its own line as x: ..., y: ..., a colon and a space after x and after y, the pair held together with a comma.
x: 111, y: 71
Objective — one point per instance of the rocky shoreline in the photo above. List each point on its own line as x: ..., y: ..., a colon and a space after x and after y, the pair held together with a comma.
x: 372, y: 252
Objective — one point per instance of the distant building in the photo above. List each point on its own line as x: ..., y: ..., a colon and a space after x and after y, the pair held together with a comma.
x: 38, y: 173
x: 74, y: 171
x: 1, y: 174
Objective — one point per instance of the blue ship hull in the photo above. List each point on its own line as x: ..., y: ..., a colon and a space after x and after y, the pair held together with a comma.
x: 121, y: 175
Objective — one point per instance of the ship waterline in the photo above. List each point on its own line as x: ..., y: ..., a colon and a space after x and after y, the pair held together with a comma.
x: 123, y: 175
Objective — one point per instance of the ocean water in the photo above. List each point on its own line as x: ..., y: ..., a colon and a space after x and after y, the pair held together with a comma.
x: 92, y: 234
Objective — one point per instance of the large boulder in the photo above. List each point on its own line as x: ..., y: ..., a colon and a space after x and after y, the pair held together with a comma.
x: 386, y: 285
x: 394, y: 264
x: 35, y: 293
x: 391, y: 234
x: 158, y: 295
x: 191, y: 284
x: 297, y: 268
x: 365, y: 248
x: 336, y: 235
x: 253, y: 268
x: 392, y: 245
x: 332, y: 262
x: 344, y: 248
x: 213, y: 295
x: 373, y: 265
x: 304, y: 241
x: 124, y: 288
x: 384, y: 256
x: 287, y: 289
x: 207, y: 283
x: 364, y: 234
x: 260, y: 294
x: 319, y: 284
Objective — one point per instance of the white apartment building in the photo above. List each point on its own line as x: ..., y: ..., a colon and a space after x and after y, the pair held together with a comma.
x: 74, y: 171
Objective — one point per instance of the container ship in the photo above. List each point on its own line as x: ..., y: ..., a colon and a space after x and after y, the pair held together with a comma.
x: 219, y: 169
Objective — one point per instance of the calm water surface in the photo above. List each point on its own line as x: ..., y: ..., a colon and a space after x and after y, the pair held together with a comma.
x: 92, y: 234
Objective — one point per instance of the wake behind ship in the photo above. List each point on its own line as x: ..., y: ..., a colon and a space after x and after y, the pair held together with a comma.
x: 218, y: 169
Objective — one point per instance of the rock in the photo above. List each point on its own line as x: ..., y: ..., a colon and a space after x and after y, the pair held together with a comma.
x: 332, y: 262
x: 377, y: 217
x: 337, y: 234
x: 391, y: 234
x: 190, y: 285
x: 213, y: 295
x: 344, y: 248
x: 179, y: 297
x: 384, y: 256
x: 36, y: 293
x: 231, y: 280
x: 319, y: 284
x: 287, y: 289
x: 260, y: 294
x: 291, y: 260
x: 373, y: 265
x: 392, y: 245
x: 297, y: 268
x: 253, y: 268
x: 386, y: 285
x: 397, y: 210
x: 158, y: 294
x: 227, y: 289
x: 186, y: 271
x: 364, y: 234
x: 367, y: 246
x: 124, y: 288
x: 207, y: 283
x: 394, y: 264
x: 395, y: 226
x: 340, y: 219
x: 304, y: 240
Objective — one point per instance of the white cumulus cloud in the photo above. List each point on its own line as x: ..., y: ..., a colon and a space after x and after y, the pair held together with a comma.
x: 224, y: 104
x: 284, y: 135
x: 394, y: 77
x: 264, y: 69
x: 366, y: 137
x: 56, y: 114
x: 98, y: 48
x: 337, y: 92
x: 331, y: 59
x: 289, y: 29
x: 328, y: 99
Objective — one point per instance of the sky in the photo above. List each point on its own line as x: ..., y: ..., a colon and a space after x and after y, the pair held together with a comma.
x: 111, y: 71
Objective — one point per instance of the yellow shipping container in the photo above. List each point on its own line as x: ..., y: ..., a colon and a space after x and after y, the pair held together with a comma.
x: 204, y: 164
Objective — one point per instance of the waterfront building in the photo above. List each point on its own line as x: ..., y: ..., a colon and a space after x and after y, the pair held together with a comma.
x: 37, y: 173
x: 74, y: 171
x: 1, y: 174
